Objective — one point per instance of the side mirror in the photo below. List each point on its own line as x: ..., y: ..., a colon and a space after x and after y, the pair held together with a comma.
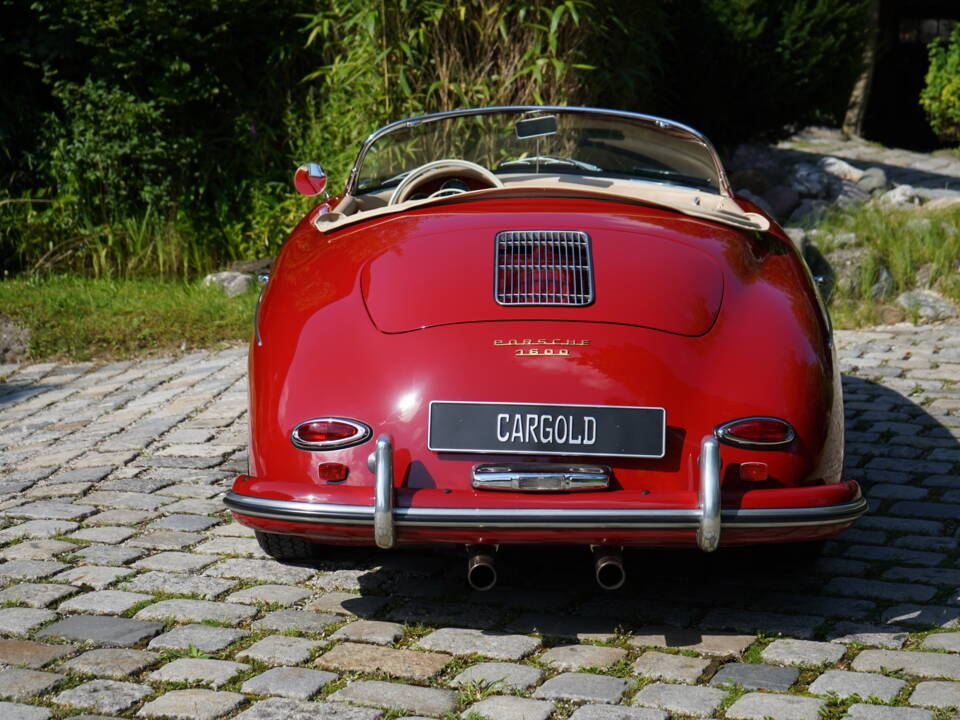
x: 310, y: 179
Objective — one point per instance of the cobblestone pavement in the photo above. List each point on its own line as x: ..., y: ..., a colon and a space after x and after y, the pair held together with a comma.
x: 126, y: 590
x: 904, y: 167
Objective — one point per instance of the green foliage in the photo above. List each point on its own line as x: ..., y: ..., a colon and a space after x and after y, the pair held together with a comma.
x: 940, y: 96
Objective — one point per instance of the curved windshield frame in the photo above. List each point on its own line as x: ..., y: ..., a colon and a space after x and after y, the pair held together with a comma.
x: 583, y: 141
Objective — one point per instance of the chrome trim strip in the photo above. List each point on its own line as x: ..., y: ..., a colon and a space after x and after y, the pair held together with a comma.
x: 658, y: 122
x: 363, y: 433
x: 708, y: 534
x: 524, y: 518
x: 541, y: 477
x: 565, y: 453
x: 722, y: 433
x: 384, y: 532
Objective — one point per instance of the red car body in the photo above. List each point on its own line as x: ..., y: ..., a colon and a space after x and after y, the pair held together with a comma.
x: 383, y: 320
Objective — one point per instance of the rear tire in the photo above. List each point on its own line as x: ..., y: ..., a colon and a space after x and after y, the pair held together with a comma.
x: 286, y: 547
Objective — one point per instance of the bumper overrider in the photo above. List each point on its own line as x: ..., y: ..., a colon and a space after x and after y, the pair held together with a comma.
x: 708, y: 519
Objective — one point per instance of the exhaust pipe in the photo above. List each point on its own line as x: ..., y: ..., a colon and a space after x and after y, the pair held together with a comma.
x: 481, y: 568
x: 608, y: 567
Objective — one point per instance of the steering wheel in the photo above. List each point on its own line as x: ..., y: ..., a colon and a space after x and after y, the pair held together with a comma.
x: 440, y: 169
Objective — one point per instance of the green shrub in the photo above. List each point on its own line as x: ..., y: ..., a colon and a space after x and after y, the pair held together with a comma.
x: 940, y: 96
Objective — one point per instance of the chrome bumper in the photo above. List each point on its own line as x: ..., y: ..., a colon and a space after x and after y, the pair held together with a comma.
x: 708, y: 519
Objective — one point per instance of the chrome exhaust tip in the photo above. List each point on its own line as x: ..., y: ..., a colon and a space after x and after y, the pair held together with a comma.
x: 608, y: 567
x: 481, y: 567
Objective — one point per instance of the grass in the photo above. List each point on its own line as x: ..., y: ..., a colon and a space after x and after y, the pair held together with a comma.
x: 77, y: 319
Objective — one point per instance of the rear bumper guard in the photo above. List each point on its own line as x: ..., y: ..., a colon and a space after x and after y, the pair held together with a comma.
x: 708, y: 519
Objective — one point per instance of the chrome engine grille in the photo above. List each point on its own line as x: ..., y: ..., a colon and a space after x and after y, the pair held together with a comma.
x: 543, y: 267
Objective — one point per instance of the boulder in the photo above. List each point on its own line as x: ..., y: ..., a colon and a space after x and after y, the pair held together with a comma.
x: 798, y: 236
x: 840, y: 169
x: 757, y: 200
x: 901, y: 197
x: 848, y: 194
x: 752, y: 179
x: 847, y: 265
x: 14, y: 342
x: 942, y: 203
x: 252, y: 267
x: 783, y: 200
x: 809, y: 180
x: 883, y: 286
x: 927, y: 305
x: 921, y: 226
x: 923, y: 278
x: 753, y: 157
x: 232, y: 283
x: 873, y: 180
x: 808, y: 212
x: 844, y: 240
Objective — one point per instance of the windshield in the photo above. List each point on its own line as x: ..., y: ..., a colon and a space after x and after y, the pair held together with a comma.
x: 543, y: 140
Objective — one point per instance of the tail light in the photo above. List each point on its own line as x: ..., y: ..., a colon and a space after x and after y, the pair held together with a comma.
x: 756, y: 432
x: 329, y: 433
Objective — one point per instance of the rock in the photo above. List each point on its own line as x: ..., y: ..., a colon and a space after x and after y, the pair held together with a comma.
x: 756, y: 200
x: 848, y: 194
x: 232, y: 283
x: 883, y: 286
x: 923, y: 278
x: 808, y: 212
x: 846, y: 265
x: 809, y: 180
x: 782, y: 200
x: 753, y: 157
x: 943, y: 203
x: 872, y: 180
x: 252, y: 267
x: 902, y: 196
x: 927, y: 305
x: 798, y: 236
x: 14, y: 341
x: 919, y: 225
x: 844, y: 240
x: 840, y: 169
x: 753, y: 179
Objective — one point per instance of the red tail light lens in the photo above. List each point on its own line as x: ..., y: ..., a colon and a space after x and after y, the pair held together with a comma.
x: 329, y: 434
x: 758, y: 432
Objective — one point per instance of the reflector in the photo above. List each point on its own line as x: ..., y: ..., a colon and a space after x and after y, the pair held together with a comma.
x: 332, y: 472
x: 753, y: 471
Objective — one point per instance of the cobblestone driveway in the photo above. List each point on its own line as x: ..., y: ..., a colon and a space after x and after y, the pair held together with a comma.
x: 127, y: 590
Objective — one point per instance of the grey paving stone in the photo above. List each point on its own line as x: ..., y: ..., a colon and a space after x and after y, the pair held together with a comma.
x: 101, y: 554
x: 280, y: 650
x: 501, y: 646
x: 616, y: 712
x: 20, y: 684
x: 29, y: 653
x: 505, y: 677
x: 425, y: 701
x: 283, y: 595
x: 52, y: 510
x: 199, y: 670
x: 297, y: 620
x: 261, y: 570
x: 196, y: 611
x: 755, y: 676
x: 118, y: 517
x: 291, y: 682
x: 36, y: 549
x: 103, y: 630
x: 936, y: 693
x: 187, y: 523
x: 672, y: 668
x: 192, y: 705
x: 166, y: 540
x: 174, y: 561
x: 242, y: 546
x: 126, y: 500
x: 845, y: 683
x: 36, y: 595
x: 506, y: 707
x: 681, y: 699
x: 803, y: 626
x: 206, y: 638
x: 577, y: 657
x: 583, y: 686
x: 92, y: 576
x: 103, y: 602
x: 862, y: 711
x: 714, y: 644
x: 763, y: 706
x: 343, y: 603
x: 20, y: 621
x: 112, y: 663
x: 179, y: 584
x: 16, y: 711
x: 290, y: 709
x: 370, y: 631
x: 106, y: 534
x: 448, y: 613
x: 802, y: 652
x: 922, y: 615
x: 30, y: 569
x: 942, y: 641
x: 105, y: 696
x: 409, y: 664
x: 922, y: 664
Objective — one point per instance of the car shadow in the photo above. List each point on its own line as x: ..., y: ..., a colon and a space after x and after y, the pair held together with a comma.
x: 770, y: 590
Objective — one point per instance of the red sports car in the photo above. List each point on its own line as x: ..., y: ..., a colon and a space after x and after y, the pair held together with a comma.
x: 540, y: 325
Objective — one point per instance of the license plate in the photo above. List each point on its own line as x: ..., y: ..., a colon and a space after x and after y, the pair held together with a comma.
x: 546, y: 429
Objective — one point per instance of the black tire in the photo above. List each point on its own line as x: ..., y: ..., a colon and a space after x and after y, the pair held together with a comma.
x: 286, y: 547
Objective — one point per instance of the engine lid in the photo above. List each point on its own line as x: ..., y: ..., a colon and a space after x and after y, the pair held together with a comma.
x: 435, y: 272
